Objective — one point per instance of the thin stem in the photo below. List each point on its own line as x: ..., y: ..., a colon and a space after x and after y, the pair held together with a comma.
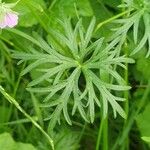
x: 105, y: 134
x: 7, y: 41
x: 48, y: 30
x: 111, y: 19
x: 99, y: 134
x: 52, y: 4
x: 18, y: 81
x: 103, y: 128
x: 82, y: 131
x: 15, y: 90
x: 126, y: 107
x: 14, y: 102
x: 126, y: 93
x: 126, y: 96
x: 131, y: 119
x: 105, y: 77
x: 37, y: 109
x: 140, y: 86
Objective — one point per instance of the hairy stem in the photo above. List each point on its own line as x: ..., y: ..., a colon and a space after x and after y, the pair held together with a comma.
x: 14, y: 102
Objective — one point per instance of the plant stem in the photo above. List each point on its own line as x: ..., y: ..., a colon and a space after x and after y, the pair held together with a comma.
x: 126, y: 107
x: 13, y: 101
x: 82, y: 131
x: 103, y: 130
x: 126, y: 93
x: 18, y: 81
x: 99, y: 134
x: 104, y: 125
x: 15, y: 91
x: 37, y: 109
x: 112, y: 18
x: 105, y: 134
x: 131, y: 119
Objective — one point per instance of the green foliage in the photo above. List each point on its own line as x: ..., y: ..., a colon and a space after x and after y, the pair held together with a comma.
x: 143, y: 122
x: 63, y: 72
x: 70, y: 7
x: 7, y: 143
x: 146, y: 139
x: 144, y: 70
x: 138, y: 12
x: 76, y: 67
x: 70, y: 138
x: 24, y: 11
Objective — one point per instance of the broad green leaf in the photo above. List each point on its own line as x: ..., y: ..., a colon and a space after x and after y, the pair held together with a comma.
x: 143, y: 70
x: 7, y: 143
x: 146, y: 139
x: 84, y: 8
x: 27, y: 19
x: 143, y: 121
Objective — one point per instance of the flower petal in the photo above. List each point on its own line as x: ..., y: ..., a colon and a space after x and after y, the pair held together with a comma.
x: 11, y: 19
x: 2, y: 24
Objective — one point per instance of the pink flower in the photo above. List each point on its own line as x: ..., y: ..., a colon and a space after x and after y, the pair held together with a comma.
x: 10, y: 19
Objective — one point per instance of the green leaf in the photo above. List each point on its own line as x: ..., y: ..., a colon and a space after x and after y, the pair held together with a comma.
x: 24, y: 35
x: 146, y: 139
x: 143, y: 70
x: 27, y: 18
x: 143, y: 121
x: 49, y: 73
x: 83, y: 7
x: 7, y: 143
x: 89, y: 32
x: 66, y: 139
x: 81, y: 60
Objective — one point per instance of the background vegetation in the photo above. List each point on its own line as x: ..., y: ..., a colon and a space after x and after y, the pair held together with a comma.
x: 75, y: 74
